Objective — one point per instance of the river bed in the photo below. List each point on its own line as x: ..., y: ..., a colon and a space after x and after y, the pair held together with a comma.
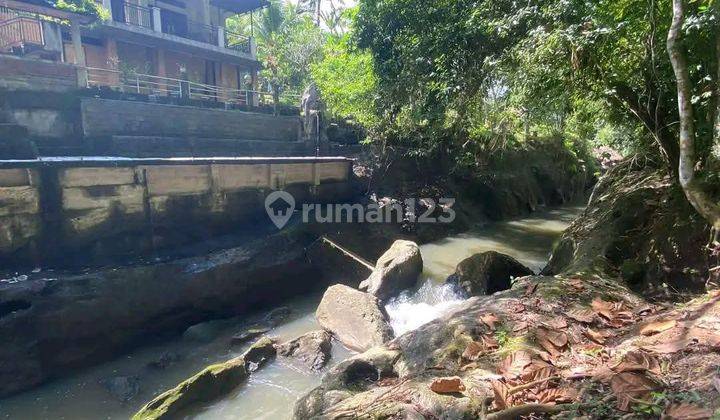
x: 271, y: 392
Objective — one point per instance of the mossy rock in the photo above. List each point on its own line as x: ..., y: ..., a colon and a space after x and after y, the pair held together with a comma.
x: 210, y: 384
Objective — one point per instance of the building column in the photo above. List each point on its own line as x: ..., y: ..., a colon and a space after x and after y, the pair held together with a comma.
x: 113, y: 62
x: 162, y: 71
x: 156, y: 19
x: 76, y: 37
x: 255, y: 99
x: 221, y: 37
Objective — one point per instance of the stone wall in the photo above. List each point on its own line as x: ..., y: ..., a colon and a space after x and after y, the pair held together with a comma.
x: 104, y: 117
x: 81, y: 211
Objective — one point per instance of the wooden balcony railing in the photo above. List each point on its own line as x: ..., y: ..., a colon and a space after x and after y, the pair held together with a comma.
x: 19, y: 30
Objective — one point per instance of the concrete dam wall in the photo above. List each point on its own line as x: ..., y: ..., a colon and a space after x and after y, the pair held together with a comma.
x: 65, y: 209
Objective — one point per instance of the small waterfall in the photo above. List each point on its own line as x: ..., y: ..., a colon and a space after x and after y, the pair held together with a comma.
x: 410, y: 310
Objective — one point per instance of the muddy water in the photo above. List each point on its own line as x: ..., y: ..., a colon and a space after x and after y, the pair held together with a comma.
x: 271, y: 392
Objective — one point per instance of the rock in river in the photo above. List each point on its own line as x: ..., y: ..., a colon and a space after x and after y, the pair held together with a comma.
x: 312, y: 349
x: 212, y: 383
x: 487, y: 273
x: 357, y: 319
x: 396, y: 270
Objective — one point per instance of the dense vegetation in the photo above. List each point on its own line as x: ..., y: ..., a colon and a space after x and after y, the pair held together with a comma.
x: 468, y: 79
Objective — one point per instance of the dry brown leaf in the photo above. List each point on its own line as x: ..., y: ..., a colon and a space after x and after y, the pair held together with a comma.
x: 472, y: 351
x: 557, y: 323
x: 582, y: 315
x: 501, y: 393
x: 636, y: 361
x: 552, y: 340
x: 514, y: 364
x: 599, y: 337
x: 517, y: 307
x: 669, y: 347
x: 612, y: 313
x: 490, y: 320
x: 447, y: 385
x: 630, y: 387
x: 520, y: 326
x: 685, y: 411
x: 556, y: 395
x: 657, y: 326
x: 536, y: 372
x: 489, y: 343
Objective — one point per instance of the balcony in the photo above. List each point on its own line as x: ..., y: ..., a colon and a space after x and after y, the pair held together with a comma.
x: 177, y: 25
x: 20, y: 32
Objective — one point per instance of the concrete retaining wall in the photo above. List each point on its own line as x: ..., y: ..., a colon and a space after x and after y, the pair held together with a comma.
x: 90, y: 210
x: 105, y: 117
x: 40, y: 75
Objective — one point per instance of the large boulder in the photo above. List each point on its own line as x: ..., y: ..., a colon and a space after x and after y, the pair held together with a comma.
x: 396, y: 270
x: 211, y: 383
x: 357, y: 319
x: 487, y: 273
x: 311, y: 349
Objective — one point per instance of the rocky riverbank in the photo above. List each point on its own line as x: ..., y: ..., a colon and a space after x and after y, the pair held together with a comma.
x: 579, y: 343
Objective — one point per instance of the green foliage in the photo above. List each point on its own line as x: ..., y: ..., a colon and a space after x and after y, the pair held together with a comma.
x: 86, y: 7
x: 288, y: 43
x: 347, y: 82
x: 459, y: 75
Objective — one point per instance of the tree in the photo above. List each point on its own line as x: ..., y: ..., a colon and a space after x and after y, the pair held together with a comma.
x: 288, y: 42
x: 694, y: 191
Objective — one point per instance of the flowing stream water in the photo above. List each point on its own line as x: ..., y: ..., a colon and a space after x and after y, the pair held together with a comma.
x: 271, y: 392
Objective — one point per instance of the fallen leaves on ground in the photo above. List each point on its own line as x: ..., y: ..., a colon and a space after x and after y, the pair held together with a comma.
x: 514, y: 364
x: 656, y: 327
x: 584, y: 315
x: 475, y: 349
x: 532, y: 287
x: 552, y: 340
x: 685, y: 411
x: 631, y: 387
x: 556, y: 395
x: 447, y: 385
x: 489, y: 319
x: 636, y: 361
x: 501, y: 392
x: 599, y: 337
x: 613, y: 314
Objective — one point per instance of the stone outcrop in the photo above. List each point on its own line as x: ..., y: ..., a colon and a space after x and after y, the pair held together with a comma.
x: 357, y: 319
x: 54, y: 322
x: 487, y: 273
x: 211, y: 383
x: 396, y: 270
x: 311, y: 349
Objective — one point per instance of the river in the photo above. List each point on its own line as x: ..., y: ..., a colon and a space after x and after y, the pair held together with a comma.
x: 271, y: 392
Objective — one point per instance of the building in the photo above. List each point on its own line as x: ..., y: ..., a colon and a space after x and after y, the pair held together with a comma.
x: 153, y: 47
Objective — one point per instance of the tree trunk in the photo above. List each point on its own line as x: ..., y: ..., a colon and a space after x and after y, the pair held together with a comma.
x: 699, y: 199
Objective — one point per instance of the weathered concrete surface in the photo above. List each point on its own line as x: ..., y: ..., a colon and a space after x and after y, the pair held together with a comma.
x: 105, y: 208
x: 54, y: 323
x: 149, y: 119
